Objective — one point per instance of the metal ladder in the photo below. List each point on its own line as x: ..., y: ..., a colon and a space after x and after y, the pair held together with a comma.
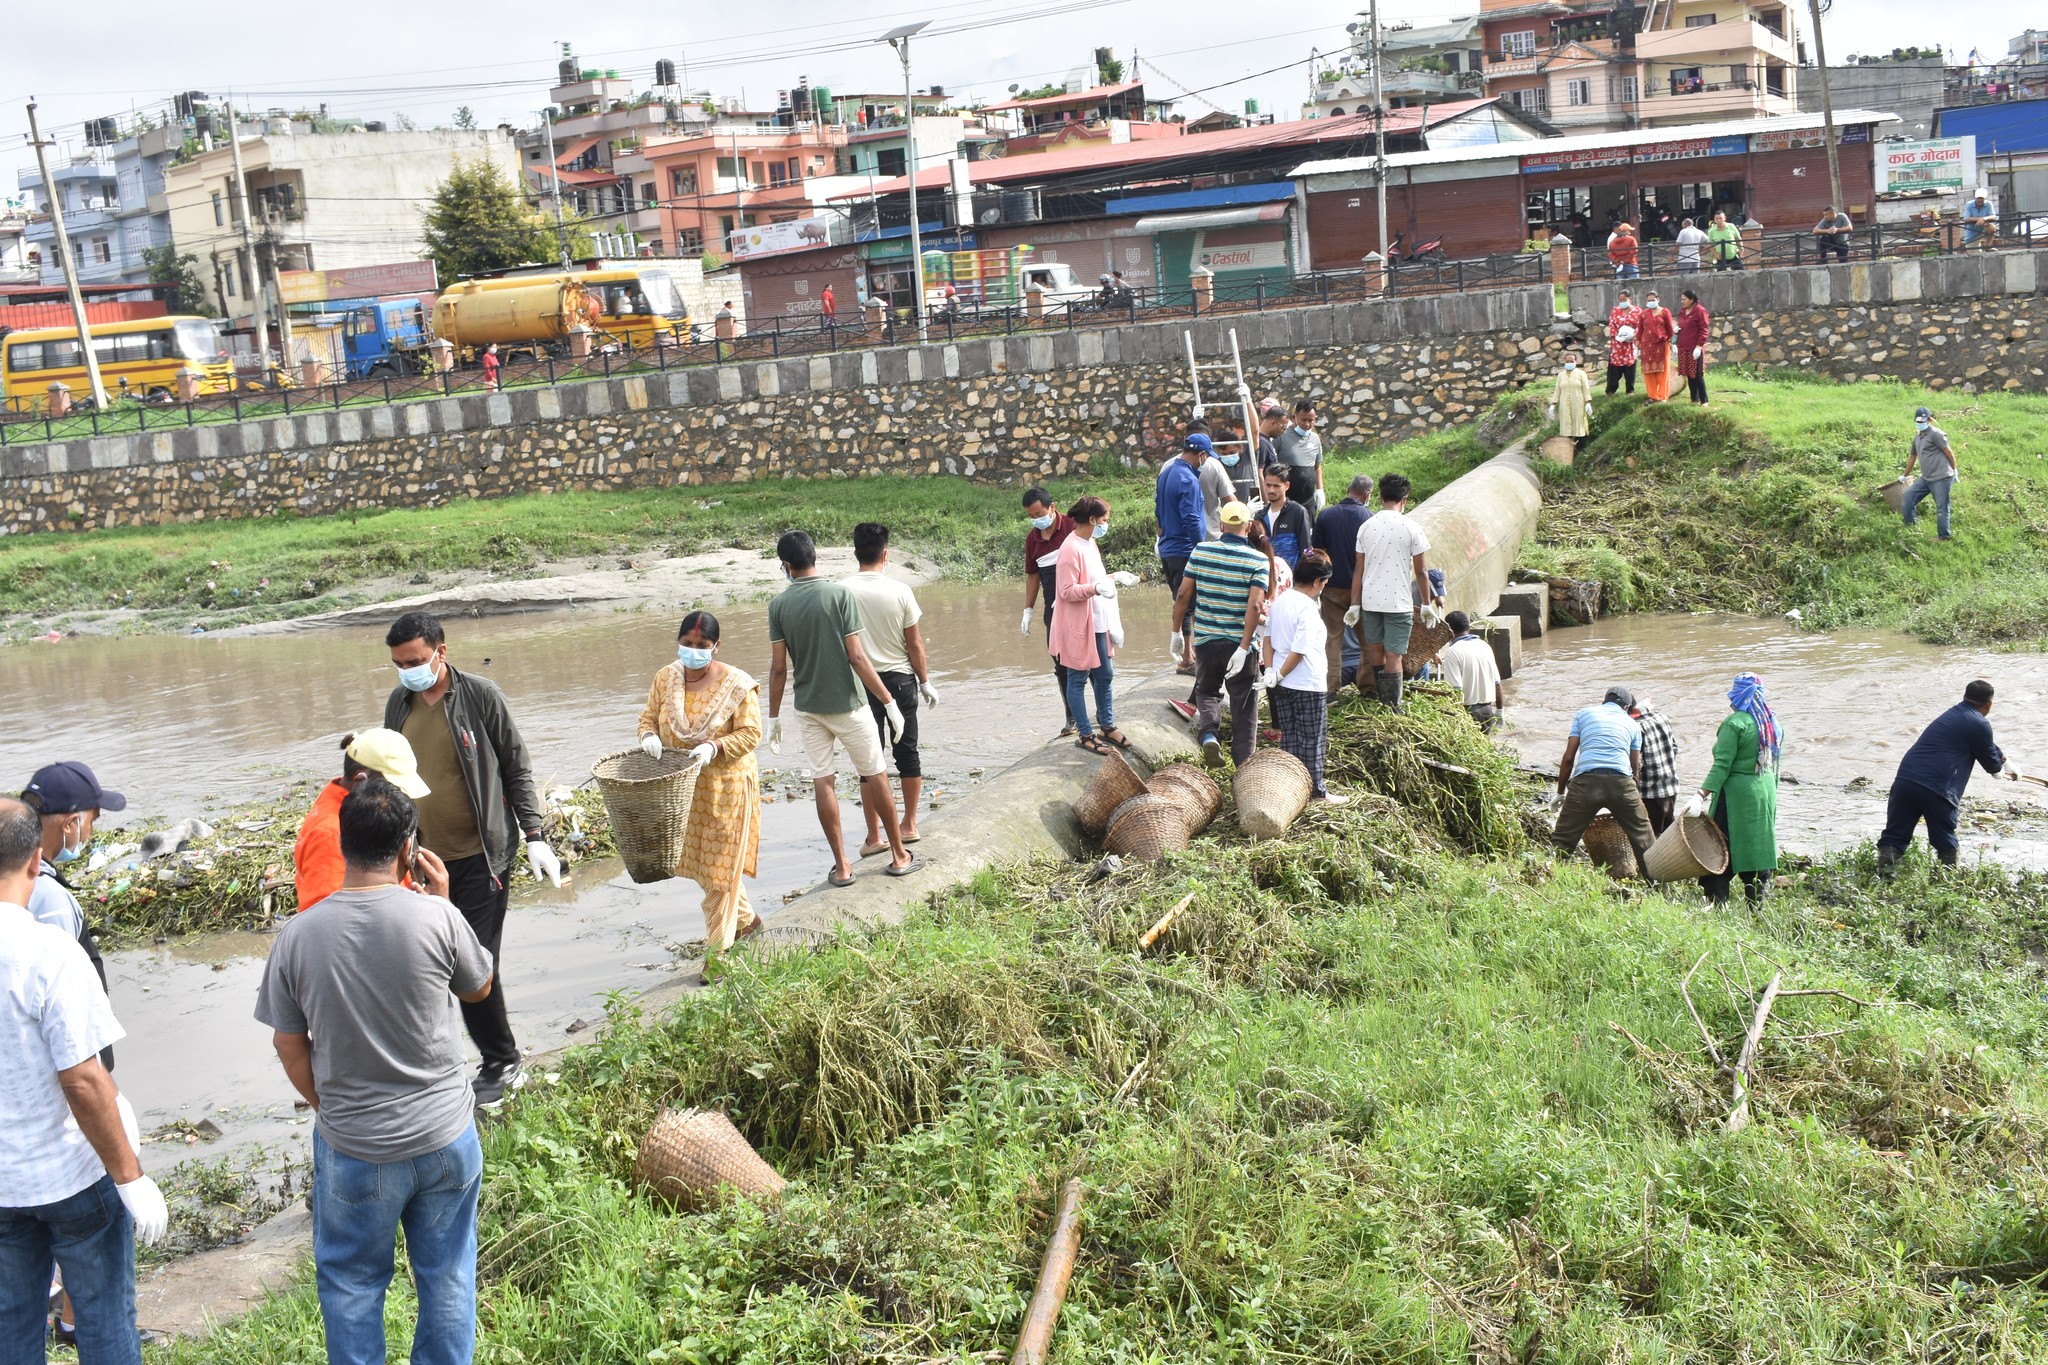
x: 1242, y: 392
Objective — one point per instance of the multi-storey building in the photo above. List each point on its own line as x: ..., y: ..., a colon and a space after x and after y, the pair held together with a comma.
x: 112, y: 191
x: 316, y: 201
x: 1610, y: 64
x: 1423, y: 65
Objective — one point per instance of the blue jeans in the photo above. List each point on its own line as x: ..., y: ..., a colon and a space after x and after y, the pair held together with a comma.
x: 92, y: 1239
x: 358, y: 1207
x: 1939, y: 489
x: 1101, y: 676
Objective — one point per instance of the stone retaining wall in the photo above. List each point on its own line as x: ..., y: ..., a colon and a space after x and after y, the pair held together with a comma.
x: 1012, y: 408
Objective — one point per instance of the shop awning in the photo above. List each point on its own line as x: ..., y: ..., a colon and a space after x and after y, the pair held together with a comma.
x: 1214, y: 218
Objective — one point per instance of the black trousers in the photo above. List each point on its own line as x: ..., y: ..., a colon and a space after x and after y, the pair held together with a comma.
x: 1836, y: 245
x: 1617, y: 373
x: 1909, y: 804
x: 482, y: 898
x: 903, y: 688
x: 1696, y: 386
x: 1212, y: 657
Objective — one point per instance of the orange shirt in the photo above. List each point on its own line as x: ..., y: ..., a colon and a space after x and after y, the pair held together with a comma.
x: 316, y: 858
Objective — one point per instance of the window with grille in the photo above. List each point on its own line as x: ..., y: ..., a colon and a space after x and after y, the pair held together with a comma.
x: 1578, y: 92
x: 1522, y: 44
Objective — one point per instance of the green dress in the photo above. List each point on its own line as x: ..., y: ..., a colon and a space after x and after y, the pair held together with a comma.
x: 1746, y: 796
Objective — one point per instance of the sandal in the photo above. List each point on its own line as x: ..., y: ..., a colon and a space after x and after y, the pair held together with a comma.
x: 1092, y: 745
x: 870, y: 850
x: 1117, y: 738
x: 834, y: 879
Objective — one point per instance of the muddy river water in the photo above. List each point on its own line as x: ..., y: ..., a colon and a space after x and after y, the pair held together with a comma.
x: 189, y: 725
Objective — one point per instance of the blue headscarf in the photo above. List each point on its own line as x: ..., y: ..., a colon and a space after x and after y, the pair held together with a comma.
x: 1747, y: 695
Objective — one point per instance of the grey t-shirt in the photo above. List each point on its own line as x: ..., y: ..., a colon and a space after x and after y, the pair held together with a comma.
x: 1298, y: 449
x: 370, y: 977
x: 1936, y: 463
x: 1217, y: 489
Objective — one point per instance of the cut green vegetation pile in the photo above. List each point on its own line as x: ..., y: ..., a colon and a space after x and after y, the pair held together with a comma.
x: 1368, y: 1099
x: 240, y: 875
x: 1766, y: 500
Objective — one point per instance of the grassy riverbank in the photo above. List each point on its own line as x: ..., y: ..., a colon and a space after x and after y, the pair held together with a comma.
x: 278, y: 567
x: 1766, y: 501
x: 1371, y: 1099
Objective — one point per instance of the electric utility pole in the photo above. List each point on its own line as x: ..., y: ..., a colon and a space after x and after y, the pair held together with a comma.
x: 56, y: 201
x: 252, y: 279
x: 1379, y: 128
x: 547, y: 119
x: 1827, y: 108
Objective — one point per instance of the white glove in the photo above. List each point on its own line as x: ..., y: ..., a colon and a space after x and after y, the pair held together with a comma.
x: 1124, y: 578
x: 928, y: 693
x: 704, y: 753
x: 1432, y: 615
x: 1698, y: 805
x: 1695, y: 353
x: 146, y: 1206
x: 1177, y: 644
x: 894, y: 715
x: 1589, y: 407
x: 1553, y: 412
x: 1351, y: 615
x: 1270, y: 679
x: 1237, y: 659
x: 1024, y: 622
x: 1105, y: 588
x: 542, y: 862
x: 651, y: 745
x: 775, y: 734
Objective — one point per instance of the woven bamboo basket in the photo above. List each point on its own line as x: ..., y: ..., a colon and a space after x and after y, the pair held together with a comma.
x: 1147, y: 827
x: 648, y: 800
x: 1895, y: 492
x: 1272, y: 788
x: 693, y: 1157
x: 1607, y: 845
x: 1423, y: 644
x: 1192, y: 789
x: 1691, y: 846
x: 1114, y: 783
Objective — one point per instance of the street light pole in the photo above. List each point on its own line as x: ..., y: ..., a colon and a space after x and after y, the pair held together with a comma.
x: 899, y: 38
x: 547, y: 119
x: 1379, y: 128
x: 1827, y: 109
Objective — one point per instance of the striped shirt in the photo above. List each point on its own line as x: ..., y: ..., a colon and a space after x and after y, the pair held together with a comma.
x: 1660, y: 755
x: 1225, y: 572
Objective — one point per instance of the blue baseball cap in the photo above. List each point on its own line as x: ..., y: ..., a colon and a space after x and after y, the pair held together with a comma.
x: 1200, y: 441
x: 67, y: 788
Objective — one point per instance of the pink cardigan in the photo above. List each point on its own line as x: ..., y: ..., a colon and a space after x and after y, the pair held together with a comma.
x: 1073, y: 607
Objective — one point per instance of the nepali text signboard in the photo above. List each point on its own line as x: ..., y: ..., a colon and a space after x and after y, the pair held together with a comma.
x: 1944, y: 165
x: 794, y: 235
x: 358, y: 282
x: 1687, y: 149
x: 1585, y: 159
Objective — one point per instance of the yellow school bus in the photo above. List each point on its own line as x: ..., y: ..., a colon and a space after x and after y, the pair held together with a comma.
x: 635, y: 302
x: 148, y: 354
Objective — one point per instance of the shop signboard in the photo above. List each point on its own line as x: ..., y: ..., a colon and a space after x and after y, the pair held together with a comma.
x: 1584, y: 159
x: 358, y: 282
x: 1944, y: 165
x: 1687, y: 149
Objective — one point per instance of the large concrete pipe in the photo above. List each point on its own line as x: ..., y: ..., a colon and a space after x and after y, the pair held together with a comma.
x: 1477, y: 525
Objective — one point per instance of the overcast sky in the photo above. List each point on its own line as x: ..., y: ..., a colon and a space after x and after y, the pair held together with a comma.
x: 377, y: 58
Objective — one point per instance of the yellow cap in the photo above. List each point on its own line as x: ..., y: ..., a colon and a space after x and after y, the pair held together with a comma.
x: 1234, y: 514
x: 386, y: 753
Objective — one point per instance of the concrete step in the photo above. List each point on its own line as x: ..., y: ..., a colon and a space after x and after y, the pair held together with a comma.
x: 1504, y: 633
x: 1530, y: 604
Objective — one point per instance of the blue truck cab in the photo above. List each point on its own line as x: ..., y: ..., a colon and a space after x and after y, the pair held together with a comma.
x: 381, y: 338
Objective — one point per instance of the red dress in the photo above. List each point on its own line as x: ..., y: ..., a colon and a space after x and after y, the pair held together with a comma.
x: 1693, y: 325
x: 1653, y: 338
x: 1622, y: 354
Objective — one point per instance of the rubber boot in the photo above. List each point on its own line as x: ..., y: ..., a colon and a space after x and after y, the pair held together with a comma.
x: 1389, y: 685
x: 1948, y: 856
x: 1887, y: 863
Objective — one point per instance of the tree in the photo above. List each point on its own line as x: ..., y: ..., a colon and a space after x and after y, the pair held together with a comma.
x: 478, y: 221
x: 1108, y: 70
x: 187, y: 294
x: 1041, y: 92
x: 465, y: 119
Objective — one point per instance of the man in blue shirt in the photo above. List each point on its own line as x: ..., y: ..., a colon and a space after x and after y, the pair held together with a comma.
x: 1932, y: 775
x: 1177, y: 510
x: 1602, y: 759
x: 1977, y: 220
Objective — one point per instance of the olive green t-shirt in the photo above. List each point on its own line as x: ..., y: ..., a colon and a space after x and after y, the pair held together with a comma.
x: 447, y: 820
x: 811, y: 620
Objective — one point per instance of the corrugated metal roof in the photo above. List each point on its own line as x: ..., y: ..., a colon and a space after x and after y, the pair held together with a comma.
x: 1215, y: 218
x: 1514, y: 151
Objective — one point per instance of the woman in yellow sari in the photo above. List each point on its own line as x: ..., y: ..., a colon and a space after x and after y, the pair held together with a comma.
x: 714, y: 710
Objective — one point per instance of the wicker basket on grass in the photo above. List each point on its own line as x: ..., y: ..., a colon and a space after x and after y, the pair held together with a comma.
x: 1690, y: 846
x: 1147, y: 827
x: 648, y: 800
x: 1607, y: 844
x: 1193, y: 790
x: 1895, y: 492
x: 1272, y: 788
x: 1114, y: 783
x: 693, y: 1158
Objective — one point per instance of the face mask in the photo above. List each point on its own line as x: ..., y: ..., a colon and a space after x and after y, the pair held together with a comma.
x: 1101, y: 530
x: 693, y: 658
x: 1229, y: 461
x: 1042, y: 523
x: 1649, y: 303
x: 69, y: 854
x: 417, y: 679
x: 1571, y: 364
x: 1922, y: 423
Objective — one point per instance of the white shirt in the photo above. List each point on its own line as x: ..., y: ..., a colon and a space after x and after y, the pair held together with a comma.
x: 888, y: 608
x: 1470, y: 667
x: 1295, y: 625
x: 1690, y: 240
x: 55, y: 1017
x: 1387, y: 546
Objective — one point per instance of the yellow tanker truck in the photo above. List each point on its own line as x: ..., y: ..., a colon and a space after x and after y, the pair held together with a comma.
x: 534, y: 315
